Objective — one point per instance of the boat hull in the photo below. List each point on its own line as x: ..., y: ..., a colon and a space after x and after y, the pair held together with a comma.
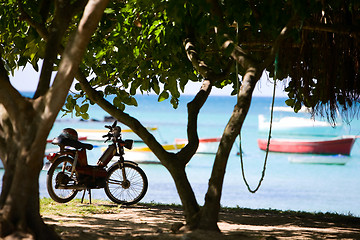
x: 145, y: 155
x: 206, y: 145
x: 320, y: 159
x: 97, y: 134
x: 341, y: 146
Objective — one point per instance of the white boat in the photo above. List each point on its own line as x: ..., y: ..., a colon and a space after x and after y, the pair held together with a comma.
x: 96, y: 134
x: 328, y: 160
x: 291, y: 125
x: 145, y: 155
x: 206, y: 145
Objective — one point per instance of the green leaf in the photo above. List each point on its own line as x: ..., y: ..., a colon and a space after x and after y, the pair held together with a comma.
x: 297, y: 106
x: 175, y: 102
x: 117, y: 101
x: 78, y: 87
x: 155, y: 87
x: 121, y: 107
x: 290, y: 102
x: 84, y: 108
x: 78, y: 110
x: 133, y: 102
x: 109, y: 11
x: 163, y: 96
x: 85, y: 116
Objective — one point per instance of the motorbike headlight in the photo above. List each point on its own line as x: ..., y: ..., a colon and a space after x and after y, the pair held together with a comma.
x: 129, y: 144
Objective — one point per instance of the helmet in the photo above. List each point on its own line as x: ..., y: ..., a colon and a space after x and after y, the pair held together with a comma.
x: 69, y: 133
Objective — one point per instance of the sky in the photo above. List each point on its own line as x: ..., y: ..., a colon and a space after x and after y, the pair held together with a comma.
x: 27, y: 79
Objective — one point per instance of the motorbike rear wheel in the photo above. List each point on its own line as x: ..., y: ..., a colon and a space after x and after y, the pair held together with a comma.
x: 59, y: 176
x: 128, y: 191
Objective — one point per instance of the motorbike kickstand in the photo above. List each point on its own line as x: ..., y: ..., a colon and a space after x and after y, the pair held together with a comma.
x: 89, y: 191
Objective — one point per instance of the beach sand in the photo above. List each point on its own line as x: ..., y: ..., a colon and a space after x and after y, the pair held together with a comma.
x: 157, y: 221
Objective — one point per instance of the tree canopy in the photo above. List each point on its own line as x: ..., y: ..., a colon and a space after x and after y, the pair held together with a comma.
x: 145, y: 49
x: 140, y: 46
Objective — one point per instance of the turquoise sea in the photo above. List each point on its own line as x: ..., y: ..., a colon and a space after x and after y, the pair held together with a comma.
x: 287, y: 185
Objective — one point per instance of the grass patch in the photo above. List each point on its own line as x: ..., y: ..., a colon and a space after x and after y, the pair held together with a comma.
x: 50, y: 207
x: 157, y: 204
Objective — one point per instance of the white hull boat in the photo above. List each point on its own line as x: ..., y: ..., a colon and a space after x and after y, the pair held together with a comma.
x: 145, y: 155
x: 96, y: 134
x: 206, y: 145
x: 299, y: 126
x: 327, y: 160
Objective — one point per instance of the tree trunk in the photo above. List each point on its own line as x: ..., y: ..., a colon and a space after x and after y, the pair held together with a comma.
x: 19, y: 200
x: 24, y: 126
x: 211, y: 208
x: 187, y: 196
x: 20, y: 216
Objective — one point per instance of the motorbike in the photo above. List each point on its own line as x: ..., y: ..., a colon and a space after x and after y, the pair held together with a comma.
x: 124, y: 181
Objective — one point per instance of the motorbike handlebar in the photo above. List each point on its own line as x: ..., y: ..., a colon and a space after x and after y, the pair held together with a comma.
x: 107, y: 135
x: 113, y: 131
x: 112, y: 126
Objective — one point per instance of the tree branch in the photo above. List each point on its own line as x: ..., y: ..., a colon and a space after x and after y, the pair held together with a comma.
x: 10, y: 98
x: 198, y: 64
x: 126, y: 119
x: 194, y: 107
x: 62, y: 18
x: 332, y: 28
x: 40, y: 28
x: 205, y: 71
x: 72, y: 56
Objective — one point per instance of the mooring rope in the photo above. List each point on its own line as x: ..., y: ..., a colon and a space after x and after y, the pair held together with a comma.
x: 269, y: 137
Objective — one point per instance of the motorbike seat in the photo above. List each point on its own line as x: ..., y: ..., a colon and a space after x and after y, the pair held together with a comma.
x: 72, y: 143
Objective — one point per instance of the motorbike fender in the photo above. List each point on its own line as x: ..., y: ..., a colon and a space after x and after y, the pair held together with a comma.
x: 126, y: 161
x: 131, y: 163
x: 48, y: 164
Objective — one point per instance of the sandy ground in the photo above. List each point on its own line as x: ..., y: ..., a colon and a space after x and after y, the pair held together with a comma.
x: 155, y: 222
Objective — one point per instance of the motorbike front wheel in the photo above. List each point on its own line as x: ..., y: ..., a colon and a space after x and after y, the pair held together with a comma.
x: 59, y: 179
x: 126, y: 190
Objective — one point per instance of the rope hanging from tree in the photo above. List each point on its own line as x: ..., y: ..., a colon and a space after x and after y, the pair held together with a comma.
x: 269, y: 137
